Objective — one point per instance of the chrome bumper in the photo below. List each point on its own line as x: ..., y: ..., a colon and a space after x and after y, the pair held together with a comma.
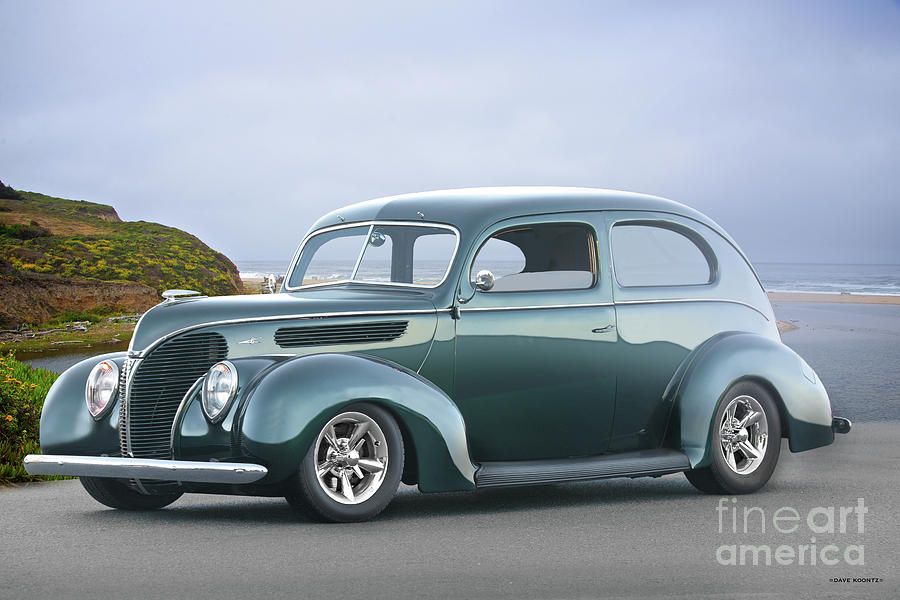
x: 143, y: 468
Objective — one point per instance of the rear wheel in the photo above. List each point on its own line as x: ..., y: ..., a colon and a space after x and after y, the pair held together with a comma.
x: 746, y: 443
x: 115, y: 494
x: 353, y: 468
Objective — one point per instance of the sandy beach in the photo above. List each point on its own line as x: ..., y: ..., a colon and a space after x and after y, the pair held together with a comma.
x: 833, y: 298
x: 252, y: 285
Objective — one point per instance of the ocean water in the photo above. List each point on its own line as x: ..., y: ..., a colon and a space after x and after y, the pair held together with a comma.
x: 261, y: 268
x: 776, y: 277
x: 830, y: 279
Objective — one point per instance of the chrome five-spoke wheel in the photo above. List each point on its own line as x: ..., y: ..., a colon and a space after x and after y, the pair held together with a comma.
x: 746, y: 442
x: 352, y: 468
x: 351, y: 458
x: 743, y: 434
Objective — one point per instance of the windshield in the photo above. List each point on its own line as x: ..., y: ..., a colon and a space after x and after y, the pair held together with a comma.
x: 378, y: 253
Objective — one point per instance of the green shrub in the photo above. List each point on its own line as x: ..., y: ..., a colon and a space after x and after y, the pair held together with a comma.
x: 8, y: 192
x: 22, y: 393
x: 71, y: 316
x: 24, y: 232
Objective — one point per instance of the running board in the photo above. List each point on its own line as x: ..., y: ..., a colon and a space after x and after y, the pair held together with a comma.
x: 629, y: 464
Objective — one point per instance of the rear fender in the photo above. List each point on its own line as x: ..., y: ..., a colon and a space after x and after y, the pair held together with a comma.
x: 731, y: 357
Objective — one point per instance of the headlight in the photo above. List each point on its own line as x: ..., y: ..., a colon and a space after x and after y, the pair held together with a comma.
x: 102, y: 385
x: 219, y: 388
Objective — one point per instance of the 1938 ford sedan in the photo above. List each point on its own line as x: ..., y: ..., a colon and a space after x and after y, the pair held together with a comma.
x: 455, y: 340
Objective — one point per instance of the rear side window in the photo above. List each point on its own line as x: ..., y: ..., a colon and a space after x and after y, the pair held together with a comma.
x: 538, y: 258
x: 653, y: 254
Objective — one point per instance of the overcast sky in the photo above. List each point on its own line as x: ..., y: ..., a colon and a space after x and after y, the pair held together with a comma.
x: 243, y: 122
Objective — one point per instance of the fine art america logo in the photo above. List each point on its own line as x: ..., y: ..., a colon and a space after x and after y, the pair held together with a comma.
x: 822, y: 535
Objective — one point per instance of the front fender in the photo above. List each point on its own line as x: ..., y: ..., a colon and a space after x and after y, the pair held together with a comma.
x: 731, y: 357
x: 284, y: 411
x: 66, y: 425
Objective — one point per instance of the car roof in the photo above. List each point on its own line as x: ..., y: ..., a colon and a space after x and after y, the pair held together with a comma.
x: 477, y: 208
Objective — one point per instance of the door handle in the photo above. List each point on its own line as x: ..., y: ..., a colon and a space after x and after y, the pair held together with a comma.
x: 606, y: 329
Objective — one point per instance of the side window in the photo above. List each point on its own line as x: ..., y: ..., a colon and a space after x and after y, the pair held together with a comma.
x: 500, y: 258
x: 650, y: 254
x: 539, y: 258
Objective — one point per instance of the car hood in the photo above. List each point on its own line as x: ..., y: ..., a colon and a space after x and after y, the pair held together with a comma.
x: 168, y: 318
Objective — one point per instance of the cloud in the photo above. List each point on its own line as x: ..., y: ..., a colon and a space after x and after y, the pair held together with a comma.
x: 244, y: 123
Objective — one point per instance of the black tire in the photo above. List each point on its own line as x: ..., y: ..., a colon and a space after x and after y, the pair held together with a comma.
x: 305, y: 493
x: 115, y: 494
x: 719, y: 478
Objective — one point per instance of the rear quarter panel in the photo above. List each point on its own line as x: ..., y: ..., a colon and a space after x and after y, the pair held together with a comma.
x: 735, y: 356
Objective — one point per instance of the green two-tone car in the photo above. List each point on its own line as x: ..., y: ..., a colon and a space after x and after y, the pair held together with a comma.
x: 453, y: 340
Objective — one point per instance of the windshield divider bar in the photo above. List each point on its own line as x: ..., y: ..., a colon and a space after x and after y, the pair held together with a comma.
x: 362, y: 252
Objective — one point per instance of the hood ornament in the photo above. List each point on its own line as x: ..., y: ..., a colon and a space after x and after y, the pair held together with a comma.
x: 252, y: 340
x: 173, y: 296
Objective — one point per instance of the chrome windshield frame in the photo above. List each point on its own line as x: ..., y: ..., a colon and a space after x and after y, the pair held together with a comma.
x: 286, y: 287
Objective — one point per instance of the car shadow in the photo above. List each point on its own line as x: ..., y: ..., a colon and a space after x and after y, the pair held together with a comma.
x: 539, y: 498
x: 410, y: 504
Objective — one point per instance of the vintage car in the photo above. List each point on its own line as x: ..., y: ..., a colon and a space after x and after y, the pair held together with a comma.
x: 453, y: 340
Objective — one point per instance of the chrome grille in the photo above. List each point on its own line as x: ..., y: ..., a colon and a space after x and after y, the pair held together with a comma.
x: 352, y: 333
x: 123, y: 414
x: 157, y: 387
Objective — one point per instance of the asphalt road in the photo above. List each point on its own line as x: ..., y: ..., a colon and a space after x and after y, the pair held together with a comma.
x: 635, y: 538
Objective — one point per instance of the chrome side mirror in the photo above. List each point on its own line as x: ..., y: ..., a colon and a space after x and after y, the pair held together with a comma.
x: 484, y: 280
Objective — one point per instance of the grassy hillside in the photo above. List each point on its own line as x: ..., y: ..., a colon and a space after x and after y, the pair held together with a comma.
x: 77, y: 239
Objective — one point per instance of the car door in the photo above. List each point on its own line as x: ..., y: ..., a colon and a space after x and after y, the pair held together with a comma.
x: 667, y: 287
x: 534, y: 376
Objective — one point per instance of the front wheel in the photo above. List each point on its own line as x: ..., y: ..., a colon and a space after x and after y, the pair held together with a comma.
x: 353, y: 468
x: 115, y: 494
x: 745, y: 445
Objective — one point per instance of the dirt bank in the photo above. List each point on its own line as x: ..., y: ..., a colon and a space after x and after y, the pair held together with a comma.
x: 31, y: 298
